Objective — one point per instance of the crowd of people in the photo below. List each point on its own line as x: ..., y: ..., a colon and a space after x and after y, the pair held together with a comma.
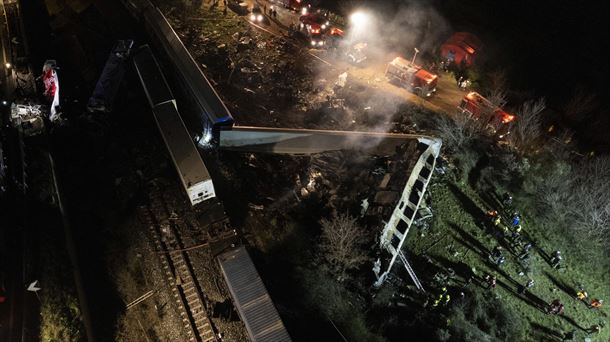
x: 506, y: 226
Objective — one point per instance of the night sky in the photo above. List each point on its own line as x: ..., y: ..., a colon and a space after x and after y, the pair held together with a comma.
x: 547, y: 48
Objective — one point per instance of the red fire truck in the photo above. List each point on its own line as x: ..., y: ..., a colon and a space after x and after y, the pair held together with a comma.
x: 314, y: 25
x: 294, y: 5
x: 477, y: 106
x: 412, y: 77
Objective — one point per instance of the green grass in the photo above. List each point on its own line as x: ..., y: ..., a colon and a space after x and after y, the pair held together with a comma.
x: 458, y: 208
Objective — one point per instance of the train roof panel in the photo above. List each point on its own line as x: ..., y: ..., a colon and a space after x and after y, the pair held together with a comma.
x: 251, y: 297
x: 185, y: 155
x: 155, y: 86
x: 200, y: 86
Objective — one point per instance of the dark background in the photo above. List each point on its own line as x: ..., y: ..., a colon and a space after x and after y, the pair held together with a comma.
x: 547, y: 49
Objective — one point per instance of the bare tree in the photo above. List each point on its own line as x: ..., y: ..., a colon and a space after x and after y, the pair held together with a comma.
x: 590, y: 207
x: 342, y: 244
x: 554, y: 192
x: 497, y: 81
x: 526, y: 128
x: 497, y: 97
x: 488, y: 119
x: 458, y: 131
x: 580, y: 105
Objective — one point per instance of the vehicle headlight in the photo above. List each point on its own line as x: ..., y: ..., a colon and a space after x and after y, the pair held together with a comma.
x: 313, y: 43
x: 320, y: 43
x: 260, y: 17
x: 253, y: 17
x: 323, y: 26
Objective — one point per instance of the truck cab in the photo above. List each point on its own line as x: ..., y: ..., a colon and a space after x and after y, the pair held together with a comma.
x: 479, y: 108
x: 412, y: 77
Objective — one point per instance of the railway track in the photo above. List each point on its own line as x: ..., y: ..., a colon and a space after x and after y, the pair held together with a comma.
x: 164, y: 228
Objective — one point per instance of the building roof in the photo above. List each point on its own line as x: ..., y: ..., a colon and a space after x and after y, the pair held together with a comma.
x: 251, y: 298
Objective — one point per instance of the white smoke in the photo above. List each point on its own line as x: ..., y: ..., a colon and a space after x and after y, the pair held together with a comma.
x: 390, y: 33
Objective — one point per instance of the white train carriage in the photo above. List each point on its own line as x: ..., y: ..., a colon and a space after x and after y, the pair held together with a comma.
x: 191, y: 169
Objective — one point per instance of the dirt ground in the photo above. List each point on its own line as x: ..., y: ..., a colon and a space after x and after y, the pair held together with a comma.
x: 269, y: 79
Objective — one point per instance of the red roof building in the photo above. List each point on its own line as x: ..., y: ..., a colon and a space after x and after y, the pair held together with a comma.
x: 462, y: 47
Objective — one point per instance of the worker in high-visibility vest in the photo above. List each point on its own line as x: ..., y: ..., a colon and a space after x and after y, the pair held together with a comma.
x: 443, y: 297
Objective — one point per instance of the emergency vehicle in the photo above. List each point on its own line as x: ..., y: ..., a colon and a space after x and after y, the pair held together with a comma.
x: 334, y: 37
x: 295, y: 5
x: 314, y: 25
x: 412, y: 77
x: 356, y: 54
x: 475, y: 105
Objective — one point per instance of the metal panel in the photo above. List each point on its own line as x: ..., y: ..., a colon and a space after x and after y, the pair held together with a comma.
x: 154, y: 83
x: 308, y: 141
x: 251, y: 298
x: 205, y: 95
x: 191, y: 169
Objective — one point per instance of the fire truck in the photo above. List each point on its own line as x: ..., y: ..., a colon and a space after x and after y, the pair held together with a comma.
x: 314, y: 25
x: 480, y: 108
x: 334, y: 37
x: 412, y: 77
x: 294, y: 5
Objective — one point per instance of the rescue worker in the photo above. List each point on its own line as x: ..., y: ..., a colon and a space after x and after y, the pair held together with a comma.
x: 569, y: 336
x: 594, y: 329
x: 582, y: 295
x: 522, y: 288
x: 496, y: 252
x: 494, y: 218
x: 556, y: 307
x: 500, y: 260
x: 516, y: 220
x: 556, y: 259
x: 525, y: 251
x: 515, y: 237
x: 596, y: 303
x: 507, y: 200
x: 491, y: 281
x: 443, y: 298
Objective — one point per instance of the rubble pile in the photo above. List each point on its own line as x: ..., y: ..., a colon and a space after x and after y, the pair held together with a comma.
x: 268, y: 80
x: 247, y: 66
x: 280, y: 188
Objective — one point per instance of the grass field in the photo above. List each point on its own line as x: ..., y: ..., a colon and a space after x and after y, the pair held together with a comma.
x: 457, y: 235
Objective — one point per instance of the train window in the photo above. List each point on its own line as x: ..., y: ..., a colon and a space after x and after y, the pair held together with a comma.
x: 200, y: 194
x: 424, y: 172
x: 408, y: 212
x: 414, y: 197
x: 395, y: 242
x: 402, y: 227
x: 402, y: 204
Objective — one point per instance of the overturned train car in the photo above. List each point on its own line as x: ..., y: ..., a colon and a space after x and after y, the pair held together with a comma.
x: 192, y: 171
x: 212, y: 114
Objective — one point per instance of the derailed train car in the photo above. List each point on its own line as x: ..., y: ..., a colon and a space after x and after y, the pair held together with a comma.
x: 192, y: 171
x: 212, y: 115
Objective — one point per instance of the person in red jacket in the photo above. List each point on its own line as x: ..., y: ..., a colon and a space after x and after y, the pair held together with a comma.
x: 51, y: 87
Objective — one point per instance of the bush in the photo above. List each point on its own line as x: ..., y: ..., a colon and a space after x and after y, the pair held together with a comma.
x: 479, y: 317
x: 465, y: 160
x: 333, y: 301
